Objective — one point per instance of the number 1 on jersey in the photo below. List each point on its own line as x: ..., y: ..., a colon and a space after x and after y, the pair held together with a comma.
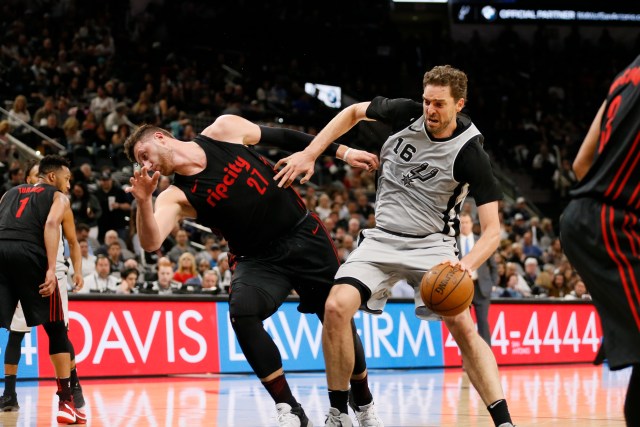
x: 23, y: 204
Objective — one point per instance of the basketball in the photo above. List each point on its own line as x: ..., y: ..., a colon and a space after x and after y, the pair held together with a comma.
x: 446, y: 290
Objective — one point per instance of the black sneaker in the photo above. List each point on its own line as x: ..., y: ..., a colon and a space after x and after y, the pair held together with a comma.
x: 9, y: 403
x: 299, y: 412
x: 78, y: 398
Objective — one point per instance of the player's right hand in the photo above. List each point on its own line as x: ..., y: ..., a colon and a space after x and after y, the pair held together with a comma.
x: 142, y: 184
x: 49, y: 285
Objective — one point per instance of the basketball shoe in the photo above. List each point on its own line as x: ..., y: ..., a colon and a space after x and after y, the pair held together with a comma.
x: 68, y: 414
x: 78, y: 397
x: 292, y: 417
x: 9, y: 403
x: 366, y: 414
x: 337, y: 419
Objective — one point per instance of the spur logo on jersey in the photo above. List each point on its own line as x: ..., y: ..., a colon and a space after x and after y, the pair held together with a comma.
x: 234, y: 171
x: 419, y: 172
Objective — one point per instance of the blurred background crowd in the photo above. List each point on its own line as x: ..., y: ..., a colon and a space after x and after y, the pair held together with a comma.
x: 77, y: 77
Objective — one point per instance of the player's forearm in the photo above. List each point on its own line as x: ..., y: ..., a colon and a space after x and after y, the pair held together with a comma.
x: 51, y: 242
x: 338, y: 126
x: 76, y: 256
x: 483, y: 248
x: 148, y: 230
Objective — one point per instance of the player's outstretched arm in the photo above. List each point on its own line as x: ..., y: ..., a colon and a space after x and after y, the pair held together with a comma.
x: 153, y: 227
x: 302, y: 162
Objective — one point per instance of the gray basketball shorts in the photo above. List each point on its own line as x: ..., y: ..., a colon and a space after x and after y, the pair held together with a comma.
x: 382, y: 259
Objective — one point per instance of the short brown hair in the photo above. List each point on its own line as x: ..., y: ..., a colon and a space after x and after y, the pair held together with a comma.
x: 446, y: 75
x: 138, y: 135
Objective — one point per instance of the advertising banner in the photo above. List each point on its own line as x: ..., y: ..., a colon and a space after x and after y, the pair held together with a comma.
x: 160, y: 337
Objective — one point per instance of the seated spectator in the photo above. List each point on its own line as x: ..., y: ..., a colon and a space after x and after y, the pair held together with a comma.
x: 186, y: 268
x: 164, y: 285
x: 528, y: 248
x: 559, y: 286
x: 85, y: 206
x: 72, y: 134
x: 531, y: 271
x: 52, y: 130
x: 111, y: 236
x: 511, y: 291
x: 224, y: 274
x: 101, y: 281
x: 579, y: 292
x: 182, y: 245
x: 210, y: 282
x: 19, y: 115
x: 521, y: 285
x: 129, y: 283
x: 203, y: 266
x: 323, y: 209
x: 115, y: 257
x: 543, y: 281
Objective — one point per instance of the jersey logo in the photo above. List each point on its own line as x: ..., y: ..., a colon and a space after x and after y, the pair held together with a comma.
x: 195, y: 185
x: 419, y: 172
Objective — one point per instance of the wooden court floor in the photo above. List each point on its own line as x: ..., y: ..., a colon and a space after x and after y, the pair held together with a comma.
x: 559, y: 395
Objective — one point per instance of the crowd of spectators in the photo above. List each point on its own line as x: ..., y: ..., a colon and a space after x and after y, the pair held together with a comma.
x: 85, y: 75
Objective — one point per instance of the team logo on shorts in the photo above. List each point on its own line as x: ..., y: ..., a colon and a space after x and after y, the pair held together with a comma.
x: 419, y: 172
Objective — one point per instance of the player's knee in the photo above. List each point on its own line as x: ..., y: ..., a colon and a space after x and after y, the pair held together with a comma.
x: 461, y: 326
x: 342, y: 304
x: 58, y: 340
x: 12, y: 351
x: 243, y: 325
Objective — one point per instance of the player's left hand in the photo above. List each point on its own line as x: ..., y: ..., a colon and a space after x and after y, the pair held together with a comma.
x: 142, y: 184
x: 78, y: 282
x: 296, y: 164
x: 49, y: 285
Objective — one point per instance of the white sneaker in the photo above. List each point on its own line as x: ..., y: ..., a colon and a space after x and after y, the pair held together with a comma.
x: 506, y: 425
x: 337, y: 419
x: 292, y: 417
x: 367, y: 416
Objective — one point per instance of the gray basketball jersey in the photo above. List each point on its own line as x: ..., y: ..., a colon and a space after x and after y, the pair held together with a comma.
x: 417, y: 193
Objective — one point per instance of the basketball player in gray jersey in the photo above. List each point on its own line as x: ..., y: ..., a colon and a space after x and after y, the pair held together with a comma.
x: 430, y: 162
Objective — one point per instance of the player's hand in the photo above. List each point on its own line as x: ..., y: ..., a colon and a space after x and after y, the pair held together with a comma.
x: 142, y: 184
x: 78, y: 282
x: 49, y: 285
x: 363, y: 160
x: 296, y: 164
x: 459, y: 264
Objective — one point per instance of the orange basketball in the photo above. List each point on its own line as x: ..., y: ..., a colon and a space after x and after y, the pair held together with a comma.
x: 446, y: 290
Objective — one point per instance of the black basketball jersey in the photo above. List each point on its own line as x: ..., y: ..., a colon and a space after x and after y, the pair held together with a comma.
x: 24, y: 211
x: 236, y: 196
x: 614, y: 177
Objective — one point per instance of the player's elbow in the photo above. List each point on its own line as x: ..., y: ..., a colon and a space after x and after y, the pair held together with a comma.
x: 150, y: 245
x: 51, y: 224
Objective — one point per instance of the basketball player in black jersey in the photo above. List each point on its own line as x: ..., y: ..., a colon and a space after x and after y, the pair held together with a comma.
x: 277, y: 245
x: 432, y: 158
x: 30, y: 219
x: 12, y: 353
x: 599, y: 228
